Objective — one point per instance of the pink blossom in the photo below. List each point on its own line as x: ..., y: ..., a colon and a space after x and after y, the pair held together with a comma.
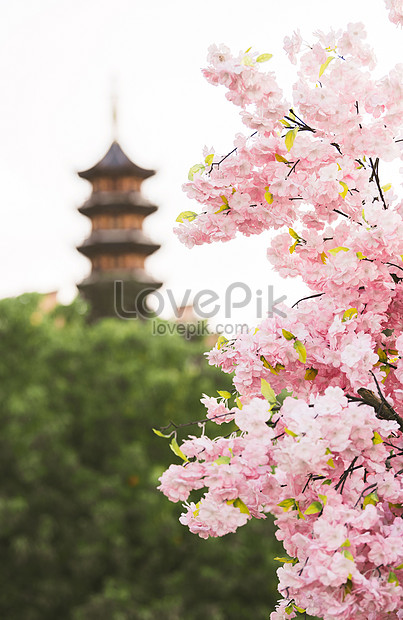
x: 178, y: 481
x: 292, y: 46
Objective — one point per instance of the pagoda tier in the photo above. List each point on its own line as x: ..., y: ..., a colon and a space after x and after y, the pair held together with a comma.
x: 109, y: 202
x: 117, y: 245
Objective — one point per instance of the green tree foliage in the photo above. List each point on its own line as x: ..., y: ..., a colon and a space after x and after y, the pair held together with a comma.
x: 84, y: 534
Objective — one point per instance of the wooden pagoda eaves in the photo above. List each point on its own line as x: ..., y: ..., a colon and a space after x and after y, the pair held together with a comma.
x: 115, y: 163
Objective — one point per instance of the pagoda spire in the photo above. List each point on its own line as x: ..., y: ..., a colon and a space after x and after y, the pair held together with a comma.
x: 114, y: 107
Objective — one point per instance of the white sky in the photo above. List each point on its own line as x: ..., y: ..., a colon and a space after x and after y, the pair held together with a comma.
x: 57, y: 62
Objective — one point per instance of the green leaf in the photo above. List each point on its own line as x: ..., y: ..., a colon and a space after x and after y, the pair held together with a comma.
x: 223, y: 460
x: 346, y: 543
x: 224, y: 393
x: 388, y: 332
x: 286, y: 504
x: 186, y: 215
x: 386, y: 188
x: 223, y: 207
x: 176, y: 449
x: 399, y: 567
x: 348, y: 588
x: 349, y: 314
x: 349, y: 555
x: 267, y: 364
x: 377, y: 438
x: 274, y: 369
x: 392, y: 578
x: 310, y: 374
x: 160, y: 434
x: 335, y: 251
x: 283, y: 395
x: 290, y: 138
x: 330, y: 462
x: 268, y: 196
x: 313, y: 508
x: 289, y: 609
x: 382, y: 355
x: 325, y: 65
x: 386, y: 370
x: 288, y: 335
x: 290, y: 433
x: 264, y: 57
x: 344, y: 191
x: 238, y: 503
x: 372, y: 498
x: 360, y: 255
x: 268, y: 391
x: 300, y: 515
x: 281, y: 158
x: 300, y: 349
x: 287, y: 560
x: 209, y: 159
x: 294, y: 234
x: 194, y: 170
x: 300, y: 610
x: 294, y: 245
x: 222, y: 340
x: 323, y: 499
x: 238, y: 403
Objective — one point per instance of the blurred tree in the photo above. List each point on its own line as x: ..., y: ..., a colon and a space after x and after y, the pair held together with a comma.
x: 84, y: 534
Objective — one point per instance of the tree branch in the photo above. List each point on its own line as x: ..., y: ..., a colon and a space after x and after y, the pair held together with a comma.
x: 384, y: 411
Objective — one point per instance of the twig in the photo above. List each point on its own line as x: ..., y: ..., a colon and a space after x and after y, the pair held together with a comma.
x: 293, y: 168
x: 371, y: 486
x: 393, y: 265
x: 217, y: 163
x: 375, y: 175
x: 305, y: 298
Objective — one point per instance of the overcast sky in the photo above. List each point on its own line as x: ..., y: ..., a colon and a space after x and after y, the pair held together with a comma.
x: 58, y: 59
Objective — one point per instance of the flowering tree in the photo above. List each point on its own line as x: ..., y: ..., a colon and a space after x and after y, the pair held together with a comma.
x: 318, y: 394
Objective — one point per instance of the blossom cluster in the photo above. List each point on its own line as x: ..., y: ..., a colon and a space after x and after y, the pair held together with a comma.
x: 320, y: 469
x: 316, y: 411
x: 395, y: 8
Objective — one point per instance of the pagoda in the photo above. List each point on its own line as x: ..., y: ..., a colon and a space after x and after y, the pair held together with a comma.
x: 117, y: 246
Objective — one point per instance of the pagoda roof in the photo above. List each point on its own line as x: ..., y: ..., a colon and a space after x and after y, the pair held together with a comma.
x: 114, y: 164
x: 113, y: 202
x: 117, y: 241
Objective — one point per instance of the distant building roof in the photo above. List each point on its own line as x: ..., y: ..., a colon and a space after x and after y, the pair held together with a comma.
x: 114, y: 164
